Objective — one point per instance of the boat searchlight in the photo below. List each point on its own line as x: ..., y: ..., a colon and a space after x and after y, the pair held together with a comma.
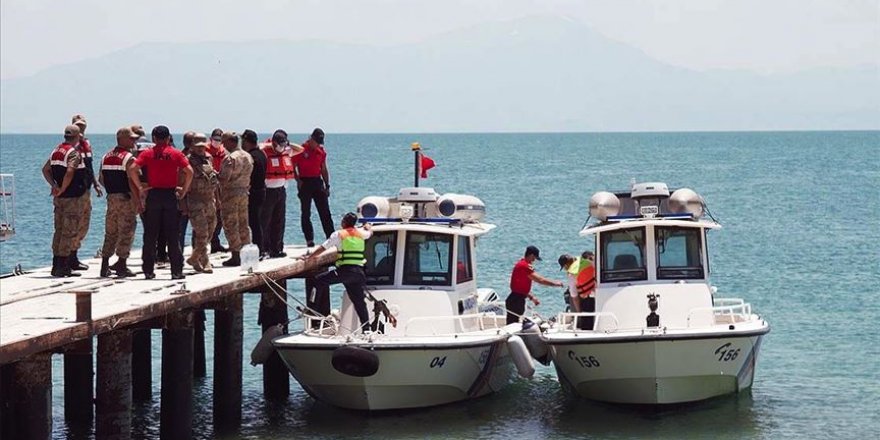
x: 604, y: 204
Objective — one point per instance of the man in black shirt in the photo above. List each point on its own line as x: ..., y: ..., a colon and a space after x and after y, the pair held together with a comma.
x: 257, y: 193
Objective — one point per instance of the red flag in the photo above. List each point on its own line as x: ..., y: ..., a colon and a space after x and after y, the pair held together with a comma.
x: 425, y: 164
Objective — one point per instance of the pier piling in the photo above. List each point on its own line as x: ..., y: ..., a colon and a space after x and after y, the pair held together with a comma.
x: 177, y: 377
x: 78, y: 382
x: 31, y: 397
x: 113, y: 393
x: 141, y: 364
x: 199, y: 369
x: 227, y: 363
x: 276, y: 379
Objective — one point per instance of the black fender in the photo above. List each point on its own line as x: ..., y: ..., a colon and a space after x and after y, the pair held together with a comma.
x: 355, y: 361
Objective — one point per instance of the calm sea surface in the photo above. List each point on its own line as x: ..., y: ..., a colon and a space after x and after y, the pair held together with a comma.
x: 801, y: 216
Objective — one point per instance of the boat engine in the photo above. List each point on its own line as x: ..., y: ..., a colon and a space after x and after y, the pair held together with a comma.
x: 653, y: 319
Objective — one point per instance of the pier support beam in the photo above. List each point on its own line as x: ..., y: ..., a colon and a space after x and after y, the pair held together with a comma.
x: 79, y: 383
x: 177, y: 377
x: 227, y: 363
x: 141, y: 364
x: 113, y: 394
x: 31, y: 397
x: 199, y: 369
x: 276, y: 379
x: 6, y: 420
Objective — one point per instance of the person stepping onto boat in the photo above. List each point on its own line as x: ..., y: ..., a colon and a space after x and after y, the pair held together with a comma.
x: 349, y: 243
x: 521, y: 285
x: 581, y: 274
x: 123, y: 203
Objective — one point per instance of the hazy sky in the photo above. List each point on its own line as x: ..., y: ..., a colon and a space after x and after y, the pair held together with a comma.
x: 761, y: 35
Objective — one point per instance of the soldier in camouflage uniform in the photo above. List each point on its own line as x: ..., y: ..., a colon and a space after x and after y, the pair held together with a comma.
x: 84, y: 148
x: 235, y: 179
x: 66, y: 174
x: 122, y: 204
x: 202, y: 202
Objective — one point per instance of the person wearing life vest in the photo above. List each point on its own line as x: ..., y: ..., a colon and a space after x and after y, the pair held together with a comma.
x: 582, y: 285
x: 350, y: 243
x: 279, y: 169
x: 123, y: 204
x: 218, y: 154
x: 66, y: 174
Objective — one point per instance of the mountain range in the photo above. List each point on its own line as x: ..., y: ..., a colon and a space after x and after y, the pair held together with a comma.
x: 536, y: 74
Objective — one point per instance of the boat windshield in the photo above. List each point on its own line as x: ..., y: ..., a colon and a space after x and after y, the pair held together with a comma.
x: 679, y: 253
x: 623, y: 255
x: 428, y: 259
x: 379, y: 254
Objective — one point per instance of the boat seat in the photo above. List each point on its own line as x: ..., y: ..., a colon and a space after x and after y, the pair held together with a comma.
x: 625, y: 261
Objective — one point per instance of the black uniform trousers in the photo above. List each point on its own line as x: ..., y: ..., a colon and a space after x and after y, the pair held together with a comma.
x: 313, y: 189
x: 273, y: 217
x: 354, y: 280
x: 161, y: 214
x: 256, y: 198
x: 516, y: 307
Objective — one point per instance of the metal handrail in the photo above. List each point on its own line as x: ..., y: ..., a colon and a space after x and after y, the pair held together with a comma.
x: 459, y: 318
x: 566, y: 326
x: 736, y: 309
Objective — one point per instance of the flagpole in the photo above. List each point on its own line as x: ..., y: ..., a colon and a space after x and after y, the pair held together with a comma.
x: 416, y: 148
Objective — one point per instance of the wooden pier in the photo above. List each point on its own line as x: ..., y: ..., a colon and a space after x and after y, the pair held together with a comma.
x: 41, y: 315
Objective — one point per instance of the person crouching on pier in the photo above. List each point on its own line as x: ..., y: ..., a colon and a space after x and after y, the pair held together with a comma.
x: 66, y: 173
x: 235, y: 177
x: 162, y: 163
x: 202, y: 201
x: 123, y: 204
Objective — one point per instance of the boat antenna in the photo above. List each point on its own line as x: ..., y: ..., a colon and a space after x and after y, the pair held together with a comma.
x: 589, y: 216
x: 417, y: 151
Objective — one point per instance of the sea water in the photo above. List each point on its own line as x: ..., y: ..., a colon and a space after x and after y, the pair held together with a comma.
x: 801, y: 243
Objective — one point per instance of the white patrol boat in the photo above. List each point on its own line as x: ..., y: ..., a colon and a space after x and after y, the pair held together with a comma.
x: 659, y: 334
x: 429, y: 342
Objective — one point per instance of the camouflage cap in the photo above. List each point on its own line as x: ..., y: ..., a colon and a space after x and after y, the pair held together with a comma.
x: 72, y: 130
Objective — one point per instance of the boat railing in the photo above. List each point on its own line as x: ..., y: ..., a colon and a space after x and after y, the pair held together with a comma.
x: 724, y: 311
x: 567, y: 321
x: 481, y: 321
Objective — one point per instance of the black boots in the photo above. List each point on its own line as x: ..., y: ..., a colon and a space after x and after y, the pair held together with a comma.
x: 217, y: 248
x: 121, y: 269
x: 234, y: 260
x: 105, y: 267
x: 75, y: 264
x: 61, y: 267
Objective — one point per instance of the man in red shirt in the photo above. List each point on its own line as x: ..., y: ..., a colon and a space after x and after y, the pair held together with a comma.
x: 163, y: 163
x: 313, y: 183
x: 521, y: 285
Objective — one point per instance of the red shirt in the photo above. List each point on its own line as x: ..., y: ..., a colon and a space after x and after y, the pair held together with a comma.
x: 162, y: 163
x: 310, y: 162
x: 520, y: 283
x: 217, y: 154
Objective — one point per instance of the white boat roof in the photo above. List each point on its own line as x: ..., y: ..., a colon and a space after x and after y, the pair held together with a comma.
x: 629, y: 223
x: 466, y: 229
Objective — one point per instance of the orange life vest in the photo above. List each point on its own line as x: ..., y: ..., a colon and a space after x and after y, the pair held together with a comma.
x: 586, y: 280
x: 278, y: 165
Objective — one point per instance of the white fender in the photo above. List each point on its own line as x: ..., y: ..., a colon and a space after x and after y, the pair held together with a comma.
x: 520, y: 355
x: 531, y: 336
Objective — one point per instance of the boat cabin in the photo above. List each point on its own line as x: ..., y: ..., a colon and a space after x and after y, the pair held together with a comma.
x: 421, y: 258
x: 652, y: 264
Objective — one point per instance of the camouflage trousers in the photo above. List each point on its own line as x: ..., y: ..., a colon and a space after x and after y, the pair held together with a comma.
x: 69, y: 215
x: 234, y: 214
x: 119, y: 226
x: 203, y: 217
x: 86, y: 220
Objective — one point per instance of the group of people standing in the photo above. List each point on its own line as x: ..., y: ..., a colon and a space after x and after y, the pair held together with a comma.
x: 228, y: 181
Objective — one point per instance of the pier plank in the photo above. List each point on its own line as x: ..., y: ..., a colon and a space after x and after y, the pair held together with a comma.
x: 37, y: 311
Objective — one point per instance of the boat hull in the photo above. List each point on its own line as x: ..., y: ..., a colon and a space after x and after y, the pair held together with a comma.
x: 657, y: 370
x: 408, y: 376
